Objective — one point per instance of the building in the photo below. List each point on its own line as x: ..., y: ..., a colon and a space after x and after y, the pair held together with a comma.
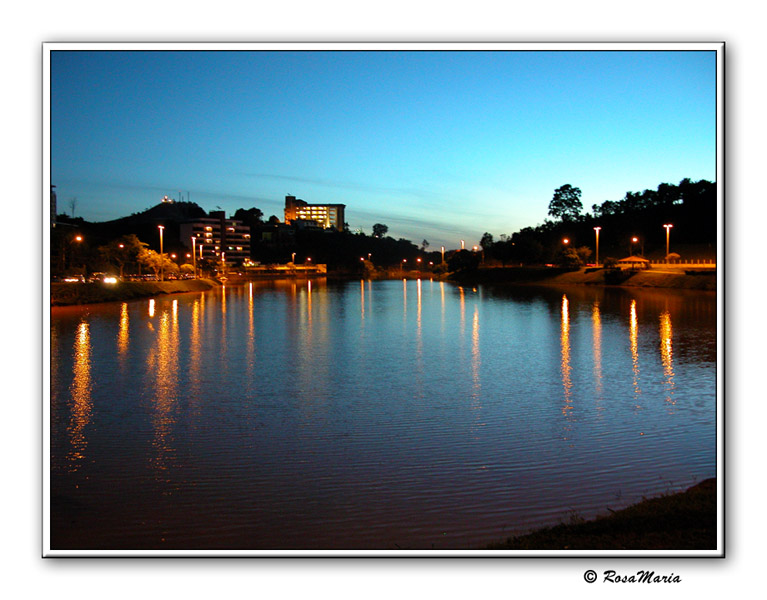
x: 214, y: 235
x: 327, y: 216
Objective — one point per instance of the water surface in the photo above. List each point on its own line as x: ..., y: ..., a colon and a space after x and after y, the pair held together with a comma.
x: 372, y: 415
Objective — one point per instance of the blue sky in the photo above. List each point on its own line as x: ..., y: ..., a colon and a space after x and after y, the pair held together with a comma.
x: 438, y: 145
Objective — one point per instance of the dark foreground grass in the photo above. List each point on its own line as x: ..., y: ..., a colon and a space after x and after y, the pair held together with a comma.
x: 683, y: 521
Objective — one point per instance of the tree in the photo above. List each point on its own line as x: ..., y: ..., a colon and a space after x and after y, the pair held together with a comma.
x: 463, y: 260
x: 424, y: 245
x: 566, y: 203
x: 156, y: 261
x: 584, y: 254
x: 251, y: 216
x: 569, y: 259
x: 122, y: 251
x: 380, y: 230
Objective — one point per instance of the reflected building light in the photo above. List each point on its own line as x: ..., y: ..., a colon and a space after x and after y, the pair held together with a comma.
x: 596, y: 319
x: 251, y: 337
x: 462, y: 300
x: 362, y: 298
x: 123, y: 337
x: 194, y: 344
x: 666, y: 355
x: 566, y: 368
x: 475, y: 357
x: 151, y: 307
x: 634, y: 341
x: 418, y: 294
x: 418, y: 331
x: 442, y: 295
x: 175, y: 311
x: 163, y: 362
x: 404, y: 298
x: 82, y: 406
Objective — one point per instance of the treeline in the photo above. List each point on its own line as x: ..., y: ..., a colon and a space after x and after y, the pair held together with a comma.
x: 691, y: 207
x: 568, y: 238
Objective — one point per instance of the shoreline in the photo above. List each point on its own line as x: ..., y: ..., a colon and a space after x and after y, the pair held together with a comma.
x: 68, y: 294
x: 72, y: 294
x: 686, y: 279
x: 685, y: 520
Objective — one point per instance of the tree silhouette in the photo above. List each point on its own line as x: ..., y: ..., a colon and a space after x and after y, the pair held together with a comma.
x: 566, y: 203
x: 380, y: 230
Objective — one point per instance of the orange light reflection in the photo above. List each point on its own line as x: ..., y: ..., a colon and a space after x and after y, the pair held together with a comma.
x: 565, y: 366
x: 82, y: 406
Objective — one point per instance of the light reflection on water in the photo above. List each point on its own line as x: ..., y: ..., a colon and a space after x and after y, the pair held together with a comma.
x: 289, y: 414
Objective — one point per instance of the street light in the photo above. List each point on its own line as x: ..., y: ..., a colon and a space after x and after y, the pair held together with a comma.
x: 596, y: 230
x: 668, y: 227
x: 194, y: 255
x: 463, y: 245
x: 162, y: 266
x: 566, y: 241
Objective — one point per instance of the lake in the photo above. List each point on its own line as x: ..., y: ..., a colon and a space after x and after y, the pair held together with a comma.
x: 372, y: 415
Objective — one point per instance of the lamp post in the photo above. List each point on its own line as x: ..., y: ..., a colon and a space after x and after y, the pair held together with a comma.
x: 194, y: 255
x: 668, y: 227
x: 443, y: 254
x: 463, y: 245
x: 162, y: 265
x: 596, y: 230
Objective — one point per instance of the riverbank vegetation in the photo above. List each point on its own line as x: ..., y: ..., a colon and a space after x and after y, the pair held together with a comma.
x: 67, y: 294
x: 682, y: 521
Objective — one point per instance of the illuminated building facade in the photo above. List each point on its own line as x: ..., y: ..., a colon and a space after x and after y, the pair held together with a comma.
x: 327, y: 216
x: 216, y: 234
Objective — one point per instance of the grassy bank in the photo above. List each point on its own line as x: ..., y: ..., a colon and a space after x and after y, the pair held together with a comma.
x: 67, y: 294
x: 683, y: 521
x: 679, y: 279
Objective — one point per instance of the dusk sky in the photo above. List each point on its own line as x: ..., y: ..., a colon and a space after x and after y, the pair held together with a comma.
x: 438, y: 145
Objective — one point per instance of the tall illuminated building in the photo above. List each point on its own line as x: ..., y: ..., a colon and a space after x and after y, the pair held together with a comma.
x: 327, y: 216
